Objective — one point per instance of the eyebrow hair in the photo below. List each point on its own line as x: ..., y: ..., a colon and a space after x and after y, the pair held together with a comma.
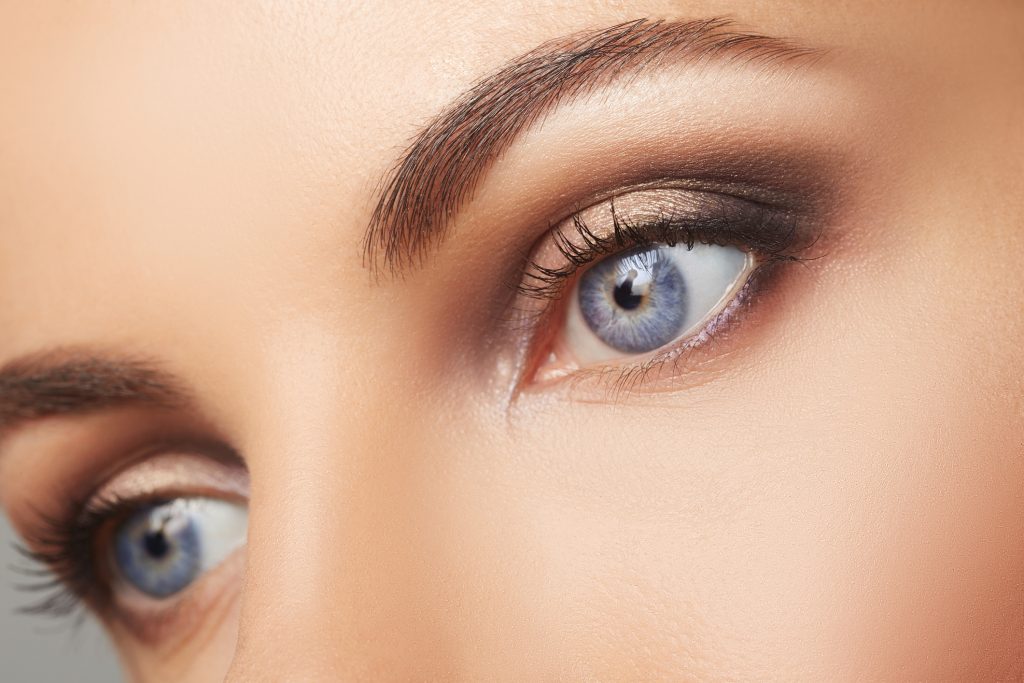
x: 438, y: 172
x: 73, y: 382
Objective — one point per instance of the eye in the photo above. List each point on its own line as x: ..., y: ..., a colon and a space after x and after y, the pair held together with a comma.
x: 163, y: 547
x: 638, y: 301
x: 638, y: 280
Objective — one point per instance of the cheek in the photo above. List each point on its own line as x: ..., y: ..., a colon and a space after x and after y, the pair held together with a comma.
x: 852, y: 503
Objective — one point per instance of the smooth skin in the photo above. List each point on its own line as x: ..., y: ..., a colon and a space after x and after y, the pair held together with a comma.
x: 835, y: 491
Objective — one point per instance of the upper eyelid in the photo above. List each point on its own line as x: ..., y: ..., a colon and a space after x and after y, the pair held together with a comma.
x: 210, y: 464
x: 802, y: 179
x: 580, y: 244
x: 725, y: 183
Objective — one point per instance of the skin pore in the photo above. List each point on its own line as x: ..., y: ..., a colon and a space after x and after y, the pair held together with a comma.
x: 202, y: 296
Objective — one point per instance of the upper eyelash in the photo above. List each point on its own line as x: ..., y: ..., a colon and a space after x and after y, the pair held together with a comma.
x: 758, y: 231
x: 63, y: 559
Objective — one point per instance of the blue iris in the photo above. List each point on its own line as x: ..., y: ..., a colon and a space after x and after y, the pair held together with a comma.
x: 158, y: 548
x: 635, y: 302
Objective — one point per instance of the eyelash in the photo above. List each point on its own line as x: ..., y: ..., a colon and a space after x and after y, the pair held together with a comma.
x: 774, y: 236
x: 765, y: 234
x: 64, y: 561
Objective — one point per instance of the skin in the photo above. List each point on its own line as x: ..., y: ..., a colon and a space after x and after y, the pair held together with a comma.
x: 830, y: 491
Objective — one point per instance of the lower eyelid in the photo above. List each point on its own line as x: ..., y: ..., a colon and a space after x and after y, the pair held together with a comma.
x: 684, y: 364
x: 219, y: 527
x: 166, y: 625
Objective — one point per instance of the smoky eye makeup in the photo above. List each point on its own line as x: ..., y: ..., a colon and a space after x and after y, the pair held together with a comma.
x: 626, y: 287
x: 633, y: 225
x: 631, y: 240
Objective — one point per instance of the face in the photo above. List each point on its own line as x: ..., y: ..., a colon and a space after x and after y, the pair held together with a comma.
x: 470, y: 341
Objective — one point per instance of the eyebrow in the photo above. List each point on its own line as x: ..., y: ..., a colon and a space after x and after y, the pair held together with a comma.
x: 437, y: 174
x: 63, y: 382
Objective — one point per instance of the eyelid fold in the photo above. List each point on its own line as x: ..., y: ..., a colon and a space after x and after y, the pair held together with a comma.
x: 176, y: 471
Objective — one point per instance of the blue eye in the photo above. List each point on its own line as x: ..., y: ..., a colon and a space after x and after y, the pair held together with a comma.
x: 162, y: 548
x: 643, y: 299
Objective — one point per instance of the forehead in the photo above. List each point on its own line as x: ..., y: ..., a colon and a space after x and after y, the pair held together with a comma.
x: 230, y: 151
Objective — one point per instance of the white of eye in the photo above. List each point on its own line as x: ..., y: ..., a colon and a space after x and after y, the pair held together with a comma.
x: 222, y: 527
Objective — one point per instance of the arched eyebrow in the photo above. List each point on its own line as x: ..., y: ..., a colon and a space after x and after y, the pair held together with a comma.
x: 440, y: 169
x: 74, y: 382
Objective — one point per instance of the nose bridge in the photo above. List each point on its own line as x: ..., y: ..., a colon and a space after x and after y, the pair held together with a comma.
x: 338, y: 581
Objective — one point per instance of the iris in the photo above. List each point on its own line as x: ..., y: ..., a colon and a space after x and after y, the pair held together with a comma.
x: 158, y: 549
x: 635, y: 302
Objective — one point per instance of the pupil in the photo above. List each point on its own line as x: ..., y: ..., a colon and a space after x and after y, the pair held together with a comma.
x: 156, y: 544
x: 624, y: 295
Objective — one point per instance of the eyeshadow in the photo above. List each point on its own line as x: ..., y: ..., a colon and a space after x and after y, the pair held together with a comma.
x: 666, y: 215
x: 175, y: 471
